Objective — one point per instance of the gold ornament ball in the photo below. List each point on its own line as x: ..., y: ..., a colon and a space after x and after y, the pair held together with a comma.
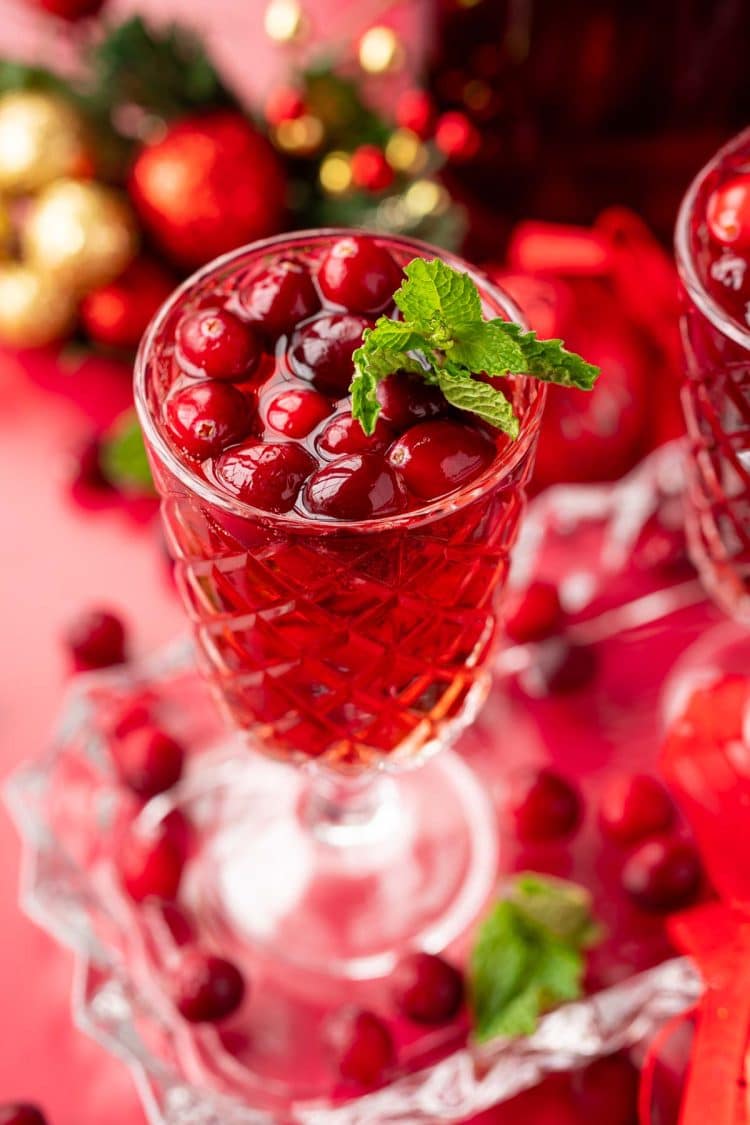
x: 82, y: 234
x: 34, y: 309
x: 41, y: 139
x: 6, y: 232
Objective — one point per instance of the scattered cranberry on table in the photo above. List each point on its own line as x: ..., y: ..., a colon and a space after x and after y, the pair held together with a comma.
x: 663, y: 874
x: 218, y: 344
x: 545, y: 807
x: 21, y: 1113
x: 206, y: 988
x: 362, y: 1046
x: 148, y: 760
x: 634, y: 806
x: 359, y: 274
x: 206, y: 418
x: 150, y: 865
x: 560, y: 667
x: 96, y: 639
x: 427, y: 989
x: 534, y: 614
x: 278, y: 297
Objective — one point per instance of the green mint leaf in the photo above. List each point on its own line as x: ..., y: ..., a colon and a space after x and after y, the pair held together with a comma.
x: 440, y: 301
x: 528, y: 955
x: 549, y: 361
x: 468, y: 393
x: 123, y: 456
x: 487, y: 346
x: 384, y: 350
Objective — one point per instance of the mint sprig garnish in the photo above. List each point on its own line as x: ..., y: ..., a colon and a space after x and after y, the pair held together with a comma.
x: 123, y: 456
x: 529, y: 954
x: 444, y: 338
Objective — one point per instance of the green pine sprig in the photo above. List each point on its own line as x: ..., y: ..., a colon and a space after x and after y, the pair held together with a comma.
x: 443, y: 337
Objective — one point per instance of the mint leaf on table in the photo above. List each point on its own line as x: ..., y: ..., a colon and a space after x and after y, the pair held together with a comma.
x: 529, y: 955
x: 444, y: 338
x: 123, y: 456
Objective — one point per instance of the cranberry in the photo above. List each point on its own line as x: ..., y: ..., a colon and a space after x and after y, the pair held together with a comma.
x: 634, y: 806
x: 206, y: 988
x: 149, y: 761
x: 363, y: 1046
x: 322, y: 351
x: 96, y: 639
x: 88, y: 467
x: 279, y: 296
x: 296, y: 411
x: 427, y: 988
x: 545, y: 807
x: 435, y: 458
x: 267, y: 475
x: 344, y: 434
x: 21, y: 1113
x: 206, y: 418
x: 405, y: 398
x: 150, y: 865
x: 663, y: 874
x: 560, y: 667
x: 360, y: 274
x: 355, y: 488
x: 607, y: 1090
x: 218, y: 344
x: 130, y: 717
x: 179, y: 831
x: 719, y: 711
x: 534, y: 613
x: 728, y: 212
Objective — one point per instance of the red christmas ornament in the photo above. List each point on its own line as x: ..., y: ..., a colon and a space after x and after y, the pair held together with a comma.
x: 211, y: 184
x: 284, y: 104
x: 370, y: 169
x: 71, y: 10
x: 415, y: 111
x: 118, y: 314
x: 456, y: 137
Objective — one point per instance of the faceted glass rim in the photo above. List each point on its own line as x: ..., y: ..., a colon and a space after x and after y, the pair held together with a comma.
x: 535, y: 394
x: 686, y: 264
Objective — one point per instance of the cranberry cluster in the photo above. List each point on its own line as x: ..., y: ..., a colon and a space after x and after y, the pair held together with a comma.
x: 259, y: 402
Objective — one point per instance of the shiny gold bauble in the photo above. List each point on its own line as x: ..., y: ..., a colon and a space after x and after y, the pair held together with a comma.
x: 80, y: 233
x: 34, y: 309
x: 41, y: 139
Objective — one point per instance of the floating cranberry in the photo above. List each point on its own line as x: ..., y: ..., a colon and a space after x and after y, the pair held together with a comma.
x: 663, y: 874
x: 218, y: 344
x: 560, y: 667
x: 435, y: 458
x: 427, y: 988
x: 728, y: 212
x: 634, y: 806
x: 322, y: 351
x: 607, y: 1091
x: 295, y: 411
x: 21, y: 1113
x: 370, y: 169
x: 356, y: 487
x: 96, y: 639
x: 545, y: 807
x: 267, y: 475
x: 360, y: 274
x: 204, y: 419
x: 534, y: 614
x: 277, y: 298
x: 362, y: 1045
x: 149, y: 761
x: 344, y: 434
x: 206, y: 988
x: 150, y: 865
x: 405, y: 398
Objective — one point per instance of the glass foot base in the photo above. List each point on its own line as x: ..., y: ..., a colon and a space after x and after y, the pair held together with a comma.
x: 336, y: 887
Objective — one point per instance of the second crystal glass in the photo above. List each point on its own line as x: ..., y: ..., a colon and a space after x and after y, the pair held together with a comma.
x: 353, y: 651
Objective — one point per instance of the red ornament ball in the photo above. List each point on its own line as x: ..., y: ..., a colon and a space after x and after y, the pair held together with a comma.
x: 212, y: 183
x: 71, y: 10
x: 370, y: 169
x: 119, y: 313
x: 456, y: 136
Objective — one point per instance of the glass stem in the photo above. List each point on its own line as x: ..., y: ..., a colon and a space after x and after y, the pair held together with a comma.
x: 345, y: 811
